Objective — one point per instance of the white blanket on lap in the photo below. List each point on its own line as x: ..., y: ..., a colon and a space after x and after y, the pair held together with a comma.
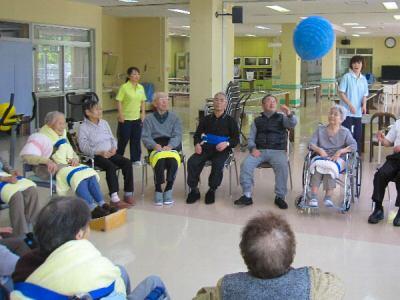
x: 326, y: 166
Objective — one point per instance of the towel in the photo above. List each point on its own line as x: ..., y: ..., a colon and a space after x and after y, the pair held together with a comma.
x: 326, y: 166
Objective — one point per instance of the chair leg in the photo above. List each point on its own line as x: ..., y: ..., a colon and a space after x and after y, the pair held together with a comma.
x: 236, y: 171
x: 143, y: 171
x: 230, y: 180
x: 184, y: 177
x: 290, y: 176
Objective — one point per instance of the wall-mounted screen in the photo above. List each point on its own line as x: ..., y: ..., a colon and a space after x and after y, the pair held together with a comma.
x: 390, y: 72
x: 250, y: 61
x: 264, y: 61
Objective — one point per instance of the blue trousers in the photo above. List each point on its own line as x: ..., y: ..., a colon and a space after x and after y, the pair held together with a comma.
x: 355, y: 126
x: 130, y: 131
x: 89, y: 190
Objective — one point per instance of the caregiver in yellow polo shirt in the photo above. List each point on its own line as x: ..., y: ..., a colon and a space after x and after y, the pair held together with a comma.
x: 131, y: 112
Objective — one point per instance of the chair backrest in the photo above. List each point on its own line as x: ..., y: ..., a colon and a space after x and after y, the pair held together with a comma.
x: 385, y: 119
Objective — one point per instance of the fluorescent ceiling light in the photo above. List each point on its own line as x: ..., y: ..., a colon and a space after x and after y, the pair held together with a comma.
x: 356, y: 35
x: 359, y: 27
x: 390, y: 5
x: 181, y: 11
x: 128, y: 1
x: 278, y: 8
x: 364, y: 32
x: 186, y: 26
x: 350, y: 24
x: 250, y: 35
x: 262, y: 27
x: 303, y: 18
x: 397, y: 17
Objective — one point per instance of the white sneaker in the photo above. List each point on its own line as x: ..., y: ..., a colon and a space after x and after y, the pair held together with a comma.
x: 313, y: 202
x: 137, y: 163
x: 328, y: 202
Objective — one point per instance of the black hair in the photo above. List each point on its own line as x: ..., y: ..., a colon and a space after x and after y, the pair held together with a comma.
x: 59, y: 222
x: 356, y: 58
x: 266, y: 96
x: 88, y: 102
x: 129, y: 72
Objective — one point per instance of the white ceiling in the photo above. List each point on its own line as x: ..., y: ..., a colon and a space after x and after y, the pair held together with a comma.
x: 369, y: 13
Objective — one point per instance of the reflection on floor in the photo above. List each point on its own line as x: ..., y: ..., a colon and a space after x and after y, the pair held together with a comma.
x: 191, y: 246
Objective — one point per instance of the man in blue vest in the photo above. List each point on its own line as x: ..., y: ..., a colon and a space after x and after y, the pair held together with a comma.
x: 268, y: 143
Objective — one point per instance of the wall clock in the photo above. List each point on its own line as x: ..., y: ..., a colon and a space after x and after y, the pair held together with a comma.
x: 390, y: 42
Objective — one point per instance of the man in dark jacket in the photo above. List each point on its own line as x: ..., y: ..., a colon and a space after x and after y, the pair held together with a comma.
x: 268, y: 143
x: 215, y: 136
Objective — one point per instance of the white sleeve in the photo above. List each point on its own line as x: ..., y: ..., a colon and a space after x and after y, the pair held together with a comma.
x: 391, y: 135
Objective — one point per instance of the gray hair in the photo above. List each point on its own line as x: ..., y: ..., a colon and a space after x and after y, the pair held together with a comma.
x: 221, y: 94
x: 268, y: 246
x: 51, y: 116
x: 158, y: 95
x: 341, y: 109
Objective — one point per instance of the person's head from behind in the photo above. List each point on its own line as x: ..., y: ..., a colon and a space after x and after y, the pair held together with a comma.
x: 337, y: 114
x: 56, y: 121
x: 63, y: 219
x: 133, y: 74
x: 161, y: 102
x: 220, y: 102
x: 92, y: 110
x: 356, y: 63
x: 269, y: 103
x: 268, y: 246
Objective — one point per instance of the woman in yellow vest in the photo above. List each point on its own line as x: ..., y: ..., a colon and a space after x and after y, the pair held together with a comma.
x: 131, y: 99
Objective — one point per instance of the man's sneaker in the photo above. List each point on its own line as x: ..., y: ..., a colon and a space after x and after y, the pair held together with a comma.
x: 280, y: 202
x: 193, y: 196
x: 99, y: 212
x: 210, y: 197
x: 328, y: 202
x: 158, y: 198
x: 396, y: 221
x: 376, y: 216
x: 313, y: 202
x: 130, y: 200
x: 243, y: 201
x: 168, y: 200
x: 137, y: 163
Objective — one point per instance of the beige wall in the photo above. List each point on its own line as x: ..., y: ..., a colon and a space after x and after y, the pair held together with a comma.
x: 58, y: 12
x: 381, y: 54
x: 176, y: 44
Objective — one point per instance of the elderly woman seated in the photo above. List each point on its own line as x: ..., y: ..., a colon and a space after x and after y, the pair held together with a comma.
x: 330, y: 142
x: 268, y: 247
x: 96, y: 140
x: 162, y: 136
x: 50, y: 152
x: 67, y: 266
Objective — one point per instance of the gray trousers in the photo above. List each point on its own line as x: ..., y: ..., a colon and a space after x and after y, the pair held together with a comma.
x: 24, y: 209
x: 277, y: 159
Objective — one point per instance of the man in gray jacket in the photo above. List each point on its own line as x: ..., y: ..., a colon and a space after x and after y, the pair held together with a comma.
x: 268, y: 143
x: 162, y: 136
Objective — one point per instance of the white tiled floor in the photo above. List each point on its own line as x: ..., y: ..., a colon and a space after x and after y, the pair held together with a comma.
x: 191, y: 246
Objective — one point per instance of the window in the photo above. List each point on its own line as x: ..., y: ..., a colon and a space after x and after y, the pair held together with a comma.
x: 14, y: 30
x: 62, y: 58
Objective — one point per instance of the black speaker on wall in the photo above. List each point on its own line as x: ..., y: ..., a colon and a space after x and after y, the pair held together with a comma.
x: 237, y: 14
x: 345, y: 41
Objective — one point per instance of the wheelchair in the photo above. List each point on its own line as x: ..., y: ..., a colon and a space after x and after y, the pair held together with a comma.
x: 349, y: 180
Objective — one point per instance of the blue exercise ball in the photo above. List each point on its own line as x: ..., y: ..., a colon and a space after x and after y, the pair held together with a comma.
x: 313, y: 38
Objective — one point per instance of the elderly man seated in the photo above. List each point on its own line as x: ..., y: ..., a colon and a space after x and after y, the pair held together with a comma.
x: 162, y: 136
x: 66, y: 265
x: 388, y: 172
x: 96, y: 140
x: 268, y: 143
x: 50, y: 152
x: 215, y: 136
x: 268, y: 247
x: 331, y: 143
x: 22, y: 197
